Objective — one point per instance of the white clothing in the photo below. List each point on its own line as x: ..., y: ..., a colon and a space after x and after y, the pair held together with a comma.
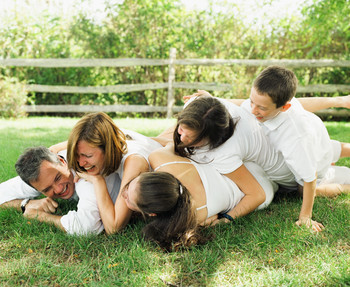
x: 247, y: 144
x: 15, y: 188
x: 86, y: 219
x: 222, y: 194
x: 139, y: 144
x: 303, y: 140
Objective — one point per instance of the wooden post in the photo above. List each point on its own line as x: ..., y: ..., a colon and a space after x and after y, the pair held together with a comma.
x: 171, y: 98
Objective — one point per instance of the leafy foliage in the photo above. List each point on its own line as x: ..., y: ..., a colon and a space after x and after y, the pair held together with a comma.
x: 149, y: 28
x: 12, y: 98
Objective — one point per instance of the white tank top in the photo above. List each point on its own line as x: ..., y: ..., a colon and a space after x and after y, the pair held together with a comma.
x: 221, y: 192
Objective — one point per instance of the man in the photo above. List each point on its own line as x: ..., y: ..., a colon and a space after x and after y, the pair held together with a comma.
x: 43, y: 172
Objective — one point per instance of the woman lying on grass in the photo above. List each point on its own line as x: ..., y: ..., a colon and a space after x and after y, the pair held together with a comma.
x: 97, y: 148
x: 182, y: 196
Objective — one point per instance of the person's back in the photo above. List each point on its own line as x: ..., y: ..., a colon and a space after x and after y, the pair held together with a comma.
x: 212, y: 193
x: 248, y: 144
x: 303, y: 140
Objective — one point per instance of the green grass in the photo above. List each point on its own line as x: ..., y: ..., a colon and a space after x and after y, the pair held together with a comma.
x: 261, y: 249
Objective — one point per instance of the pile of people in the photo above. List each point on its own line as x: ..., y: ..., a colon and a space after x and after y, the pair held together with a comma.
x: 223, y: 160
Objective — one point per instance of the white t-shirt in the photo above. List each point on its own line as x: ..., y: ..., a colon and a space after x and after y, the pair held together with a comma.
x: 139, y: 144
x: 303, y: 140
x: 86, y: 219
x: 247, y: 144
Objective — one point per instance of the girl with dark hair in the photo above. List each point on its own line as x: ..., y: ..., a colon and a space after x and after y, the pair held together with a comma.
x: 219, y: 133
x: 182, y: 196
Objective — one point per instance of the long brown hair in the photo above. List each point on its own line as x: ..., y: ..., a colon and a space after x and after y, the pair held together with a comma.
x: 175, y: 224
x: 99, y: 130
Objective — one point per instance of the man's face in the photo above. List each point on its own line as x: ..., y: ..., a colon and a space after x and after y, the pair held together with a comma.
x: 55, y: 180
x: 262, y: 106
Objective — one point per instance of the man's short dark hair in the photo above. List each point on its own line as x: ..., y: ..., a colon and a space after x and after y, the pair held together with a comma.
x: 28, y: 164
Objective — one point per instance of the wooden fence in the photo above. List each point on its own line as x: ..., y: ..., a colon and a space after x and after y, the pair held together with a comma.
x: 172, y: 62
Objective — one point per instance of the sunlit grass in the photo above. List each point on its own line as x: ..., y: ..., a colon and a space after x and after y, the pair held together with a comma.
x: 265, y: 248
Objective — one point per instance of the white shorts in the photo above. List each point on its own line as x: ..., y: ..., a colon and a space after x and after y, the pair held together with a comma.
x: 269, y: 186
x: 336, y: 174
x: 336, y: 147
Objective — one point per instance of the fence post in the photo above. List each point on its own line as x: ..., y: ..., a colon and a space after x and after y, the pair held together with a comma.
x: 171, y: 98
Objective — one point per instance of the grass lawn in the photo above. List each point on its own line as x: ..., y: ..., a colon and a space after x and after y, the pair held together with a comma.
x: 265, y: 248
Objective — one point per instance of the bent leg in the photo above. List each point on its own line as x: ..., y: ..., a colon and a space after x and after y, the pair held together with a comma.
x: 335, y: 182
x: 319, y: 103
x: 332, y: 189
x: 345, y: 150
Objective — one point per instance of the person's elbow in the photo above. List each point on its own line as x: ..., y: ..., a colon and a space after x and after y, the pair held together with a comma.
x: 260, y: 197
x: 114, y: 228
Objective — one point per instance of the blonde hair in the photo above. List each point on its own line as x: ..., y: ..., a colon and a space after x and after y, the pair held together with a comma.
x: 98, y: 130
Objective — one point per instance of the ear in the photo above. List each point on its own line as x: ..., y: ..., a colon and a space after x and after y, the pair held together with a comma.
x: 152, y: 214
x: 62, y: 160
x: 286, y: 107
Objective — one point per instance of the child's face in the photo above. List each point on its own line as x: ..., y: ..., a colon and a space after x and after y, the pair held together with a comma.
x: 187, y: 136
x: 262, y: 106
x: 130, y: 195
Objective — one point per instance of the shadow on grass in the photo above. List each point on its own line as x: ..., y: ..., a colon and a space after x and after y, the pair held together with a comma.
x: 265, y: 248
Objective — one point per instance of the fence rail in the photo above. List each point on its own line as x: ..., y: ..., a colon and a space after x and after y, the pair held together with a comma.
x: 129, y: 62
x: 172, y: 62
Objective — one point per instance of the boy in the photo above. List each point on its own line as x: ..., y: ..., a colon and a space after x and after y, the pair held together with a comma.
x: 300, y: 136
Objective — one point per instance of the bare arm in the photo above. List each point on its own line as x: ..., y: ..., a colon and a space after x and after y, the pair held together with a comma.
x: 16, y: 203
x: 116, y: 216
x: 305, y: 215
x: 44, y: 217
x: 56, y: 148
x: 314, y: 104
x: 166, y: 136
x: 44, y: 204
x: 320, y: 103
x: 254, y: 193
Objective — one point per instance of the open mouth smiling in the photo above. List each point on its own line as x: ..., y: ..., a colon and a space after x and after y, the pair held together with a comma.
x: 64, y: 191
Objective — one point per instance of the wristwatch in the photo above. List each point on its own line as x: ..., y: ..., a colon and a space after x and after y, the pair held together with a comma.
x: 23, y: 204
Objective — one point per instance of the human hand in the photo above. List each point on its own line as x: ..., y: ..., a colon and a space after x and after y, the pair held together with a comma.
x: 308, y: 222
x: 58, y: 147
x: 88, y: 177
x: 33, y: 213
x: 54, y: 148
x: 213, y: 220
x: 46, y: 204
x: 198, y: 94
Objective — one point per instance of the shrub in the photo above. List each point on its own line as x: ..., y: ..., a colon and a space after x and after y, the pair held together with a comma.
x: 13, y: 96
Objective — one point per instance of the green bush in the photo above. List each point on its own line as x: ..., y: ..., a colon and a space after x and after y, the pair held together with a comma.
x: 149, y: 28
x: 13, y: 96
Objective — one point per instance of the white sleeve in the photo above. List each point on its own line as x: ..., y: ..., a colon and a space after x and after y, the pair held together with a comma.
x: 140, y: 145
x: 16, y: 188
x: 86, y: 219
x: 246, y: 105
